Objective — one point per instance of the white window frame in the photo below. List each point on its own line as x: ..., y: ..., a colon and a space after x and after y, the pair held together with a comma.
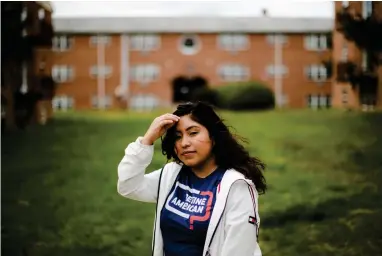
x: 145, y: 42
x: 315, y: 101
x: 105, y: 71
x: 105, y: 102
x: 41, y: 13
x: 282, y: 38
x: 367, y: 9
x: 62, y: 43
x: 284, y: 100
x: 316, y: 42
x: 344, y: 96
x: 144, y: 102
x: 24, y: 76
x: 233, y: 42
x: 233, y: 73
x: 272, y: 69
x: 323, y: 100
x: 365, y: 60
x: 317, y: 73
x: 62, y: 73
x: 145, y: 73
x: 100, y: 39
x: 344, y: 52
x: 24, y: 14
x: 64, y: 101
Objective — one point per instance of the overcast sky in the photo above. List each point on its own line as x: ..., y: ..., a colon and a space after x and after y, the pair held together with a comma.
x: 287, y: 8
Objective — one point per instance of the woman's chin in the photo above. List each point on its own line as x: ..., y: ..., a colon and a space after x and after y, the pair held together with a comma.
x: 190, y: 162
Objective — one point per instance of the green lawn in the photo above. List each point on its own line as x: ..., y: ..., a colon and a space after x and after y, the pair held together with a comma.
x: 324, y: 172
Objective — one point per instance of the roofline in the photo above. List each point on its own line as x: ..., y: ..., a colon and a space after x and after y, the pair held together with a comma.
x: 194, y: 24
x: 46, y: 5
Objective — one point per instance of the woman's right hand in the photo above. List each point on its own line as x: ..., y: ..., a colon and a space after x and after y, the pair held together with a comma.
x: 158, y: 127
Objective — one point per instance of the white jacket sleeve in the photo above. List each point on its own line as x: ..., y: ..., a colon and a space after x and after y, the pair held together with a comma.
x: 241, y: 222
x: 133, y: 183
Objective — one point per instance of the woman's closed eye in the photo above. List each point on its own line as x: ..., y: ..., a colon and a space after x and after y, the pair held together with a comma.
x: 178, y: 136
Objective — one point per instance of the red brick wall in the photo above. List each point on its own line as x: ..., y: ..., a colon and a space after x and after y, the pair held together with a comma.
x: 205, y: 63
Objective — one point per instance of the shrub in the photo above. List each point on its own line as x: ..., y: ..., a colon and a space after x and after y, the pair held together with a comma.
x: 245, y: 96
x: 238, y: 96
x: 205, y: 94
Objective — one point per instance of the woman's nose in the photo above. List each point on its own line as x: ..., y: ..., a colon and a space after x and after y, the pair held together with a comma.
x: 185, y: 142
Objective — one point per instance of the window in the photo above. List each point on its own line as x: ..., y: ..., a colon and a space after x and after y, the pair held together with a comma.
x: 344, y: 52
x: 62, y: 102
x: 367, y: 9
x: 95, y: 40
x: 316, y: 72
x: 144, y: 42
x: 144, y: 102
x: 281, y: 38
x: 24, y: 72
x: 42, y: 65
x: 233, y: 42
x: 318, y: 101
x: 144, y: 73
x: 284, y: 100
x: 62, y: 43
x: 365, y: 61
x: 323, y: 101
x: 103, y: 71
x: 101, y: 102
x: 233, y: 73
x: 189, y: 44
x: 62, y: 73
x: 272, y: 70
x: 24, y: 14
x: 344, y: 96
x: 41, y: 14
x: 316, y: 42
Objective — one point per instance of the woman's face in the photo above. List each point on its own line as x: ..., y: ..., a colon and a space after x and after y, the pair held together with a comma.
x: 193, y: 145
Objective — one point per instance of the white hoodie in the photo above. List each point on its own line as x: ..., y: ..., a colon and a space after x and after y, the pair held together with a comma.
x: 231, y: 230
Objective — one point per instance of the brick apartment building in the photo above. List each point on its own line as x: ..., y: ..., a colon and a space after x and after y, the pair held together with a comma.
x: 148, y: 62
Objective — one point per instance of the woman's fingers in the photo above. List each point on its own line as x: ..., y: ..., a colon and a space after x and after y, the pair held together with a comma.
x: 159, y: 126
x: 171, y: 116
x: 166, y: 122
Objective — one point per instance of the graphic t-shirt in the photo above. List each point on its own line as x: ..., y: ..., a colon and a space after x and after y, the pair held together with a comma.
x: 187, y: 212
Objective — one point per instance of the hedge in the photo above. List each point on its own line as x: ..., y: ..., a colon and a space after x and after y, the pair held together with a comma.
x: 238, y: 96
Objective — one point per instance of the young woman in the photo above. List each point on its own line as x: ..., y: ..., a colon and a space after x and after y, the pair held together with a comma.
x: 207, y: 197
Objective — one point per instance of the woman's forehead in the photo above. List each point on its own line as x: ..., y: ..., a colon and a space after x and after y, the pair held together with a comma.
x: 186, y: 123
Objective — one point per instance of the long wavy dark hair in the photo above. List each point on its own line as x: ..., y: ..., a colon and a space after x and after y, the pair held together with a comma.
x: 228, y: 152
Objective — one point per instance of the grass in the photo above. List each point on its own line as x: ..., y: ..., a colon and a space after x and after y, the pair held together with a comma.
x: 324, y: 173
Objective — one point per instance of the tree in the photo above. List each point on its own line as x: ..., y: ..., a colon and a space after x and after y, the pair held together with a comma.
x: 17, y: 49
x: 366, y: 34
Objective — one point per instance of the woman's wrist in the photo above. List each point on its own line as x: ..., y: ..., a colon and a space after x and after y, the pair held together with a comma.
x: 146, y: 141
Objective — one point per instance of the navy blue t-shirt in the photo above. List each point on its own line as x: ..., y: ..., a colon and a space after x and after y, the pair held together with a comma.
x: 187, y: 212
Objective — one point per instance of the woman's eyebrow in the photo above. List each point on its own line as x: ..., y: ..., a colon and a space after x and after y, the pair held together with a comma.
x: 188, y: 128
